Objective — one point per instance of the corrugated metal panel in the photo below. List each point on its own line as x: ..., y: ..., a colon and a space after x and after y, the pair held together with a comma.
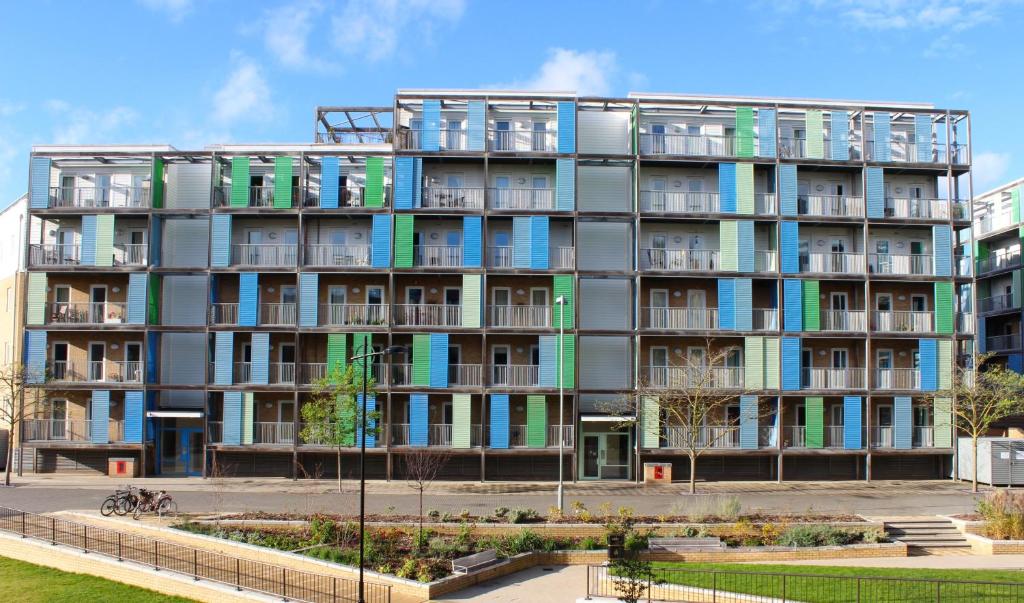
x: 923, y: 136
x: 852, y: 423
x: 566, y: 126
x: 815, y: 148
x: 419, y: 416
x: 248, y: 298
x: 744, y: 304
x: 565, y: 184
x: 745, y: 188
x: 790, y: 247
x: 430, y: 137
x: 156, y: 240
x: 404, y: 226
x: 186, y: 242
x: 902, y: 422
x: 521, y: 242
x: 104, y: 240
x: 792, y: 310
x: 814, y: 429
x: 240, y: 182
x: 223, y: 356
x: 766, y: 132
x: 35, y: 309
x: 745, y: 246
x: 35, y: 356
x: 883, y: 136
x: 771, y: 363
x: 152, y: 349
x: 605, y: 188
x: 604, y: 246
x: 337, y: 352
x: 753, y: 359
x: 727, y: 243
x: 536, y: 421
x: 927, y: 352
x: 601, y: 362
x: 942, y: 245
x: 283, y: 182
x: 462, y: 414
x: 942, y: 417
x: 812, y: 306
x: 133, y: 413
x: 39, y: 189
x: 329, y: 174
x: 100, y: 426
x: 944, y: 308
x: 603, y: 132
x: 605, y: 304
x: 1015, y: 288
x: 220, y: 252
x: 748, y: 422
x: 790, y: 363
x: 548, y: 360
x: 727, y: 188
x: 568, y: 346
x: 88, y: 252
x: 651, y: 422
x: 499, y: 421
x: 471, y: 307
x: 539, y: 226
x: 138, y: 285
x: 188, y: 186
x: 727, y: 303
x: 944, y: 364
x: 438, y: 360
x: 472, y: 241
x: 476, y: 121
x: 875, y: 191
x: 562, y: 286
x: 404, y: 169
x: 788, y: 189
x: 260, y: 358
x: 368, y: 409
x: 417, y: 182
x: 744, y: 131
x: 247, y: 417
x: 840, y: 124
x: 421, y: 360
x: 373, y: 195
x: 380, y: 246
x: 309, y: 285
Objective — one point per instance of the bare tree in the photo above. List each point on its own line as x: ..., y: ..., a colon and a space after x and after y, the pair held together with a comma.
x: 14, y: 382
x: 979, y: 398
x: 421, y: 468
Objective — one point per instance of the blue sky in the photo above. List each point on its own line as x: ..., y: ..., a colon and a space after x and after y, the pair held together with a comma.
x: 194, y: 72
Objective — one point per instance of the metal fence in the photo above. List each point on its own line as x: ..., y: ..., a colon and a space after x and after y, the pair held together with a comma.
x: 699, y: 586
x: 242, y: 574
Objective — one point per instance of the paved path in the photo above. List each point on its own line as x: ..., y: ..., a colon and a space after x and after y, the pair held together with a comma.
x: 541, y: 584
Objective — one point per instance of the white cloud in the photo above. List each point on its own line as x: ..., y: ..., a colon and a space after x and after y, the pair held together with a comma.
x: 372, y: 28
x: 989, y: 169
x: 882, y: 15
x: 244, y: 96
x: 176, y: 10
x: 8, y: 109
x: 588, y: 72
x: 78, y: 125
x: 286, y: 31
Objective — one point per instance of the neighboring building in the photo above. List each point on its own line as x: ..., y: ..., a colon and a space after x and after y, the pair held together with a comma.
x: 12, y: 277
x: 182, y: 303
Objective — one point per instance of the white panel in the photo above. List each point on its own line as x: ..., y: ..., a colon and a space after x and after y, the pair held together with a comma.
x: 188, y: 186
x: 182, y: 362
x: 183, y: 302
x: 603, y: 188
x: 604, y: 362
x: 604, y: 246
x: 186, y: 243
x: 605, y: 304
x: 603, y: 132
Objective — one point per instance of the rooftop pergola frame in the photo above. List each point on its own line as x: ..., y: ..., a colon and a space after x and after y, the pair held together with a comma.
x: 356, y: 124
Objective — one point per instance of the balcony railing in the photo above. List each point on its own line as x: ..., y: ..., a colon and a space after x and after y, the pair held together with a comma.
x: 999, y: 260
x: 997, y: 303
x: 680, y: 260
x: 832, y: 378
x: 882, y: 437
x: 66, y: 430
x: 902, y: 150
x: 517, y: 436
x: 502, y: 257
x: 499, y: 257
x: 438, y: 434
x: 564, y: 258
x: 90, y: 197
x: 796, y: 147
x: 273, y: 433
x: 1001, y: 343
x: 263, y: 254
x: 964, y: 322
x: 993, y: 222
x: 765, y: 261
x: 521, y: 316
x: 277, y: 314
x: 54, y: 255
x: 679, y: 202
x: 843, y: 320
x: 764, y: 204
x: 796, y: 436
x: 428, y: 315
x: 835, y: 206
x: 521, y: 198
x: 98, y: 371
x: 833, y: 263
x: 353, y: 315
x: 888, y: 263
x: 130, y: 254
x: 681, y: 377
x: 678, y: 319
x: 709, y: 436
x: 921, y: 209
x: 82, y: 313
x: 458, y: 374
x: 962, y: 265
x: 439, y: 256
x: 898, y: 378
x: 224, y: 314
x: 311, y: 372
x: 902, y: 322
x: 765, y: 319
x: 337, y: 255
x: 278, y: 373
x: 767, y: 437
x: 348, y: 196
x: 515, y: 375
x: 522, y: 140
x: 446, y: 197
x: 921, y: 436
x: 694, y: 145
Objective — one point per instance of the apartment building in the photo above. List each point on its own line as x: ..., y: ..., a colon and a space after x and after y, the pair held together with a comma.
x: 12, y: 277
x: 181, y: 304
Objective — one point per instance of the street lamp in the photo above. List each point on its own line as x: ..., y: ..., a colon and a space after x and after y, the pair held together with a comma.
x: 560, y: 300
x: 388, y: 351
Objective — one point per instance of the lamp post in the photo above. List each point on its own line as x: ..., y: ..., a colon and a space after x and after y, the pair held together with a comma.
x: 560, y: 300
x: 394, y: 349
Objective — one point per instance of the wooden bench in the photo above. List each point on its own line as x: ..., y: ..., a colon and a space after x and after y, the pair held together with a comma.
x: 474, y: 562
x: 685, y: 544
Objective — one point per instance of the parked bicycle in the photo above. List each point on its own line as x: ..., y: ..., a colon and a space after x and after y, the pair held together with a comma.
x: 121, y: 502
x: 160, y: 503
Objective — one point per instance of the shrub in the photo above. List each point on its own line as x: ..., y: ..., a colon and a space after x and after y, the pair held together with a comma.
x: 730, y: 508
x: 523, y: 515
x: 1003, y: 514
x: 433, y: 514
x: 447, y: 517
x: 523, y: 542
x: 464, y: 514
x: 501, y: 512
x: 409, y: 568
x: 817, y: 535
x: 554, y: 513
x: 589, y: 544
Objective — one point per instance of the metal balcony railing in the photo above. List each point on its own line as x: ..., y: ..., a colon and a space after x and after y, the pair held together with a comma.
x: 1002, y: 343
x: 679, y: 260
x: 465, y: 374
x: 767, y: 437
x: 567, y: 436
x: 273, y: 433
x: 517, y: 436
x: 97, y: 371
x: 667, y: 202
x: 764, y: 204
x: 353, y: 315
x: 91, y: 197
x: 446, y: 197
x: 521, y: 198
x: 54, y: 255
x: 993, y: 222
x: 67, y: 430
x: 765, y: 319
x: 897, y: 378
x: 681, y: 377
x: 678, y: 319
x: 835, y: 206
x: 921, y: 209
x: 348, y: 196
x: 499, y: 257
x: 564, y: 258
x: 438, y: 256
x: 521, y: 316
x: 834, y: 436
x: 709, y: 436
x: 130, y: 254
x: 962, y: 265
x: 902, y: 150
x: 843, y: 320
x: 833, y: 263
x: 882, y: 437
x: 796, y: 147
x: 260, y: 197
x: 428, y: 315
x: 278, y: 373
x: 964, y: 322
x: 902, y: 322
x: 311, y: 372
x: 889, y: 263
x: 999, y: 260
x: 694, y: 145
x: 264, y: 254
x: 921, y: 436
x: 796, y: 436
x: 277, y: 314
x: 514, y: 375
x: 511, y: 141
x: 80, y: 313
x: 833, y: 378
x: 224, y: 314
x: 337, y: 255
x: 765, y: 261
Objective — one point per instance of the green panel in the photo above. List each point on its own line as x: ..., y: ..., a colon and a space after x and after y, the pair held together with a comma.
x: 944, y: 305
x: 1015, y: 205
x: 421, y: 360
x: 727, y: 258
x: 105, y: 240
x: 403, y: 241
x: 563, y: 286
x: 942, y: 414
x: 471, y: 300
x: 462, y: 415
x: 744, y: 132
x: 153, y: 300
x: 814, y: 412
x: 337, y: 352
x: 811, y: 306
x: 361, y: 342
x: 753, y: 357
x: 283, y: 182
x: 239, y: 182
x: 745, y: 188
x: 771, y: 363
x: 347, y: 421
x: 815, y: 146
x: 536, y: 421
x: 984, y: 289
x: 373, y: 196
x: 981, y: 249
x: 247, y: 415
x: 1014, y: 288
x: 944, y: 362
x: 634, y: 124
x: 569, y: 367
x: 156, y: 184
x: 35, y: 310
x: 651, y: 414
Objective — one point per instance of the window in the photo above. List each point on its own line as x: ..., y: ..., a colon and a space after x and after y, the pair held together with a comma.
x: 414, y: 295
x: 452, y: 296
x: 659, y: 298
x: 336, y: 295
x: 501, y: 296
x: 839, y: 358
x: 454, y: 134
x: 539, y: 297
x: 453, y: 238
x: 918, y: 303
x: 540, y: 136
x: 374, y: 295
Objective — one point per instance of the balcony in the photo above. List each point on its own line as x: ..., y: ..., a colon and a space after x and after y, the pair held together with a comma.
x: 278, y: 373
x: 796, y: 148
x: 962, y: 265
x: 710, y: 436
x: 348, y: 196
x: 514, y: 375
x: 682, y: 377
x: 458, y: 375
x: 923, y: 209
x: 517, y: 436
x: 438, y: 434
x: 563, y: 258
x: 349, y: 256
x: 764, y: 204
x: 70, y: 255
x: 679, y: 319
x: 833, y: 263
x: 964, y: 323
x: 260, y: 197
x: 902, y: 322
x: 65, y: 430
x: 693, y: 145
x: 920, y: 437
x: 765, y: 261
x: 98, y: 371
x: 902, y: 150
x: 93, y: 197
x: 898, y: 378
x: 428, y: 315
x: 264, y: 255
x: 888, y: 263
x: 273, y: 433
x: 521, y: 198
x: 1002, y: 343
x: 765, y: 319
x: 680, y: 203
x: 312, y: 372
x: 796, y: 436
x: 64, y: 313
x: 438, y: 256
x: 523, y: 317
x: 767, y: 437
x: 223, y: 314
x: 832, y: 378
x: 445, y: 197
x: 269, y: 314
x: 447, y: 140
x: 679, y: 260
x: 843, y: 320
x: 505, y: 141
x: 993, y: 222
x: 320, y: 438
x: 831, y: 206
x: 999, y: 260
x: 345, y: 315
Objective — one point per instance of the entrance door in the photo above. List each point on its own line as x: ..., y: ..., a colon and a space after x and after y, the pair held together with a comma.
x: 97, y: 303
x: 181, y: 451
x: 58, y: 419
x: 97, y: 361
x: 606, y: 456
x: 285, y: 422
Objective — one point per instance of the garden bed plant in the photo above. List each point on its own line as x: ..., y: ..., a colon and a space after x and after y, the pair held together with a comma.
x: 1002, y: 515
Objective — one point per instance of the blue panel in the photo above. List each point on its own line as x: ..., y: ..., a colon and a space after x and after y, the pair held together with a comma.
x: 39, y: 175
x: 35, y: 356
x: 499, y: 421
x: 942, y: 246
x: 137, y: 282
x: 418, y: 417
x: 308, y: 304
x: 923, y: 137
x: 902, y: 423
x: 793, y: 309
x: 417, y: 182
x: 223, y: 356
x: 727, y: 303
x: 565, y: 184
x: 472, y: 241
x: 248, y: 299
x: 405, y: 168
x: 727, y: 188
x: 476, y: 121
x: 875, y: 187
x: 521, y: 241
x: 329, y: 174
x: 790, y: 363
x: 840, y: 135
x: 152, y: 355
x: 438, y: 360
x: 88, y: 253
x: 882, y: 137
x: 790, y: 247
x: 745, y: 246
x: 220, y: 242
x: 852, y: 423
x: 260, y: 359
x: 766, y: 132
x: 566, y: 127
x: 788, y: 189
x: 548, y: 360
x: 371, y: 425
x: 744, y: 303
x: 539, y: 242
x: 156, y: 237
x: 380, y: 249
x: 150, y: 405
x: 99, y: 428
x: 980, y: 335
x: 133, y: 414
x: 430, y: 137
x: 928, y: 355
x: 1015, y: 362
x: 748, y: 422
x: 232, y: 417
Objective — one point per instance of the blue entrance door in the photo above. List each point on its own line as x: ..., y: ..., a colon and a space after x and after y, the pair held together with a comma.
x: 181, y: 451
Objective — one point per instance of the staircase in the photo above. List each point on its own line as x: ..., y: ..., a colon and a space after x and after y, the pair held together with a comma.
x: 928, y: 536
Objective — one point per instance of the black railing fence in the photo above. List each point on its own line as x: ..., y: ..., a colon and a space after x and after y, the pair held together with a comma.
x: 200, y: 564
x: 713, y: 586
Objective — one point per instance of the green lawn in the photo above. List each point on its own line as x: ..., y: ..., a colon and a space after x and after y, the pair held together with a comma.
x: 828, y: 584
x: 27, y: 583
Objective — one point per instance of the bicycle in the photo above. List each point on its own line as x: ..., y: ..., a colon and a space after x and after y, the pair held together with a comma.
x: 118, y: 502
x: 160, y: 503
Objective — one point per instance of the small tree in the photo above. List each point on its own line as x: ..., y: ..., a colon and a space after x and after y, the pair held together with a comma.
x: 13, y: 384
x: 632, y: 577
x: 981, y: 397
x: 332, y: 415
x: 421, y: 468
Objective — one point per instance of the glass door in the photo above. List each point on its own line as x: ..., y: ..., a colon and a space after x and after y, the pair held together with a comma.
x: 59, y: 419
x: 606, y: 456
x: 591, y: 452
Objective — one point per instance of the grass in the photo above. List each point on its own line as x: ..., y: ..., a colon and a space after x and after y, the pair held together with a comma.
x: 833, y: 584
x: 27, y: 583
